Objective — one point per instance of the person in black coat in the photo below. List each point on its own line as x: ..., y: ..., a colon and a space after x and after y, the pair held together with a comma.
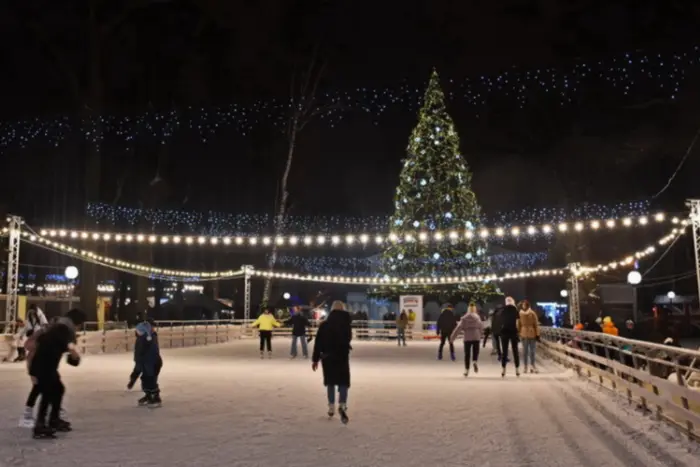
x: 332, y: 348
x: 299, y: 324
x: 496, y: 328
x: 446, y: 323
x: 56, y: 340
x: 509, y: 335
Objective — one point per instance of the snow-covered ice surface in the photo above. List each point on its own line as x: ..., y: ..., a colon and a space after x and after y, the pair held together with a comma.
x: 223, y: 406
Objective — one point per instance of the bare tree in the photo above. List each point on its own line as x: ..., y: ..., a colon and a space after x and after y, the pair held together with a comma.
x: 303, y: 107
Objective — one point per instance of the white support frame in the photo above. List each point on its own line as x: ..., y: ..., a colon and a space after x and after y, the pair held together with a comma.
x: 14, y: 235
x: 694, y: 205
x: 574, y: 299
x: 247, y: 273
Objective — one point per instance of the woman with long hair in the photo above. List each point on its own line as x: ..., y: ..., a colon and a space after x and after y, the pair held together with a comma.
x: 529, y: 330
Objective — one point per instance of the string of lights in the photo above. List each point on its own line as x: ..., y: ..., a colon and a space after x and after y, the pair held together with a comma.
x: 349, y: 240
x: 631, y: 259
x: 125, y: 266
x: 226, y: 224
x: 353, y: 280
x: 629, y: 77
x: 386, y: 280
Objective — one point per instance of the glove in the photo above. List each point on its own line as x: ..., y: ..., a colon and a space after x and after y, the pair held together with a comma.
x: 537, y: 338
x: 314, y: 366
x: 73, y: 360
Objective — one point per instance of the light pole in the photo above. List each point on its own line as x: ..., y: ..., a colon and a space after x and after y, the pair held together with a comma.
x: 564, y: 293
x: 671, y: 295
x: 71, y: 274
x: 634, y: 278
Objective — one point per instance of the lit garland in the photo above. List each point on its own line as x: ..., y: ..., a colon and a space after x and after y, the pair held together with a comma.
x: 133, y: 268
x: 223, y: 224
x: 332, y: 265
x: 397, y: 281
x: 350, y: 280
x: 629, y: 260
x: 641, y: 74
x: 348, y: 240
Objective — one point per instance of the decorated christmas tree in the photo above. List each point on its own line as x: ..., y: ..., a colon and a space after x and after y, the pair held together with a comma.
x: 435, y: 196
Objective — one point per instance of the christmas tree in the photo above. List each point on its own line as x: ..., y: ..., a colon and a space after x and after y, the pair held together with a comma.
x: 435, y: 195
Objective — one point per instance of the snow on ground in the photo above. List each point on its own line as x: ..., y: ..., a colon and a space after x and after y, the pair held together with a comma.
x: 223, y: 406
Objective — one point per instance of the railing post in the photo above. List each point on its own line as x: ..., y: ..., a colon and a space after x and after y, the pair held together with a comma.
x: 684, y: 400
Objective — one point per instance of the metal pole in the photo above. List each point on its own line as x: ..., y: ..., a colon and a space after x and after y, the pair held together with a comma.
x: 694, y: 205
x: 574, y: 301
x: 13, y: 241
x: 248, y: 271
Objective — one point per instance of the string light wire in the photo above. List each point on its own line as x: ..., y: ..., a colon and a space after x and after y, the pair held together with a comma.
x: 348, y: 240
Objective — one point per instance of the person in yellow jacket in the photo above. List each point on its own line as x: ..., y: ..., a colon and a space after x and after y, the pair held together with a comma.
x: 411, y: 322
x: 266, y: 322
x: 609, y: 327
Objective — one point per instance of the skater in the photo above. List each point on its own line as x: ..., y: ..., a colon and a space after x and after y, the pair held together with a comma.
x: 266, y: 322
x: 56, y: 340
x: 487, y: 329
x: 509, y: 335
x: 445, y: 325
x: 32, y: 333
x: 401, y: 325
x: 496, y: 327
x: 529, y: 330
x: 17, y: 345
x: 36, y: 319
x: 150, y: 363
x: 299, y: 324
x: 139, y: 349
x: 411, y: 322
x: 332, y: 348
x: 472, y: 327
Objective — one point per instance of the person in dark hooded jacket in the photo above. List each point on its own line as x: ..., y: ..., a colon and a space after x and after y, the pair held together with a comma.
x: 496, y: 328
x: 446, y: 323
x: 332, y: 348
x: 509, y: 335
x: 56, y: 340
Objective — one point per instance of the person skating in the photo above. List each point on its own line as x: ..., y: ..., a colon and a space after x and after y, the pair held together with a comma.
x: 472, y: 328
x: 401, y: 325
x: 56, y: 340
x: 138, y: 350
x: 529, y: 331
x: 445, y: 325
x: 509, y: 335
x: 332, y: 348
x: 299, y: 324
x: 32, y: 333
x: 150, y: 363
x: 496, y: 328
x: 265, y: 323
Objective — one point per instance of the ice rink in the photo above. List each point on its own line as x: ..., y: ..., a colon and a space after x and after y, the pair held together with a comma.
x: 223, y: 406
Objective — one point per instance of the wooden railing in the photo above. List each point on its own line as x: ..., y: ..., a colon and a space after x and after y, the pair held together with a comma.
x: 658, y: 378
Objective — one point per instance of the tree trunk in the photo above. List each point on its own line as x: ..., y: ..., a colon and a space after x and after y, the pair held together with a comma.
x: 282, y: 210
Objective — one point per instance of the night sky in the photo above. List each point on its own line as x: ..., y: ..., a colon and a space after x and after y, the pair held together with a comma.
x: 557, y: 103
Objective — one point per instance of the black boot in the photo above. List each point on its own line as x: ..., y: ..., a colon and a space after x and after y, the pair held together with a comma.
x: 154, y: 400
x: 60, y: 425
x: 143, y: 402
x: 41, y: 431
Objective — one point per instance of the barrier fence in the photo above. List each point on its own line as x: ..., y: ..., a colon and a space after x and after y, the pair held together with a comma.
x: 658, y: 378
